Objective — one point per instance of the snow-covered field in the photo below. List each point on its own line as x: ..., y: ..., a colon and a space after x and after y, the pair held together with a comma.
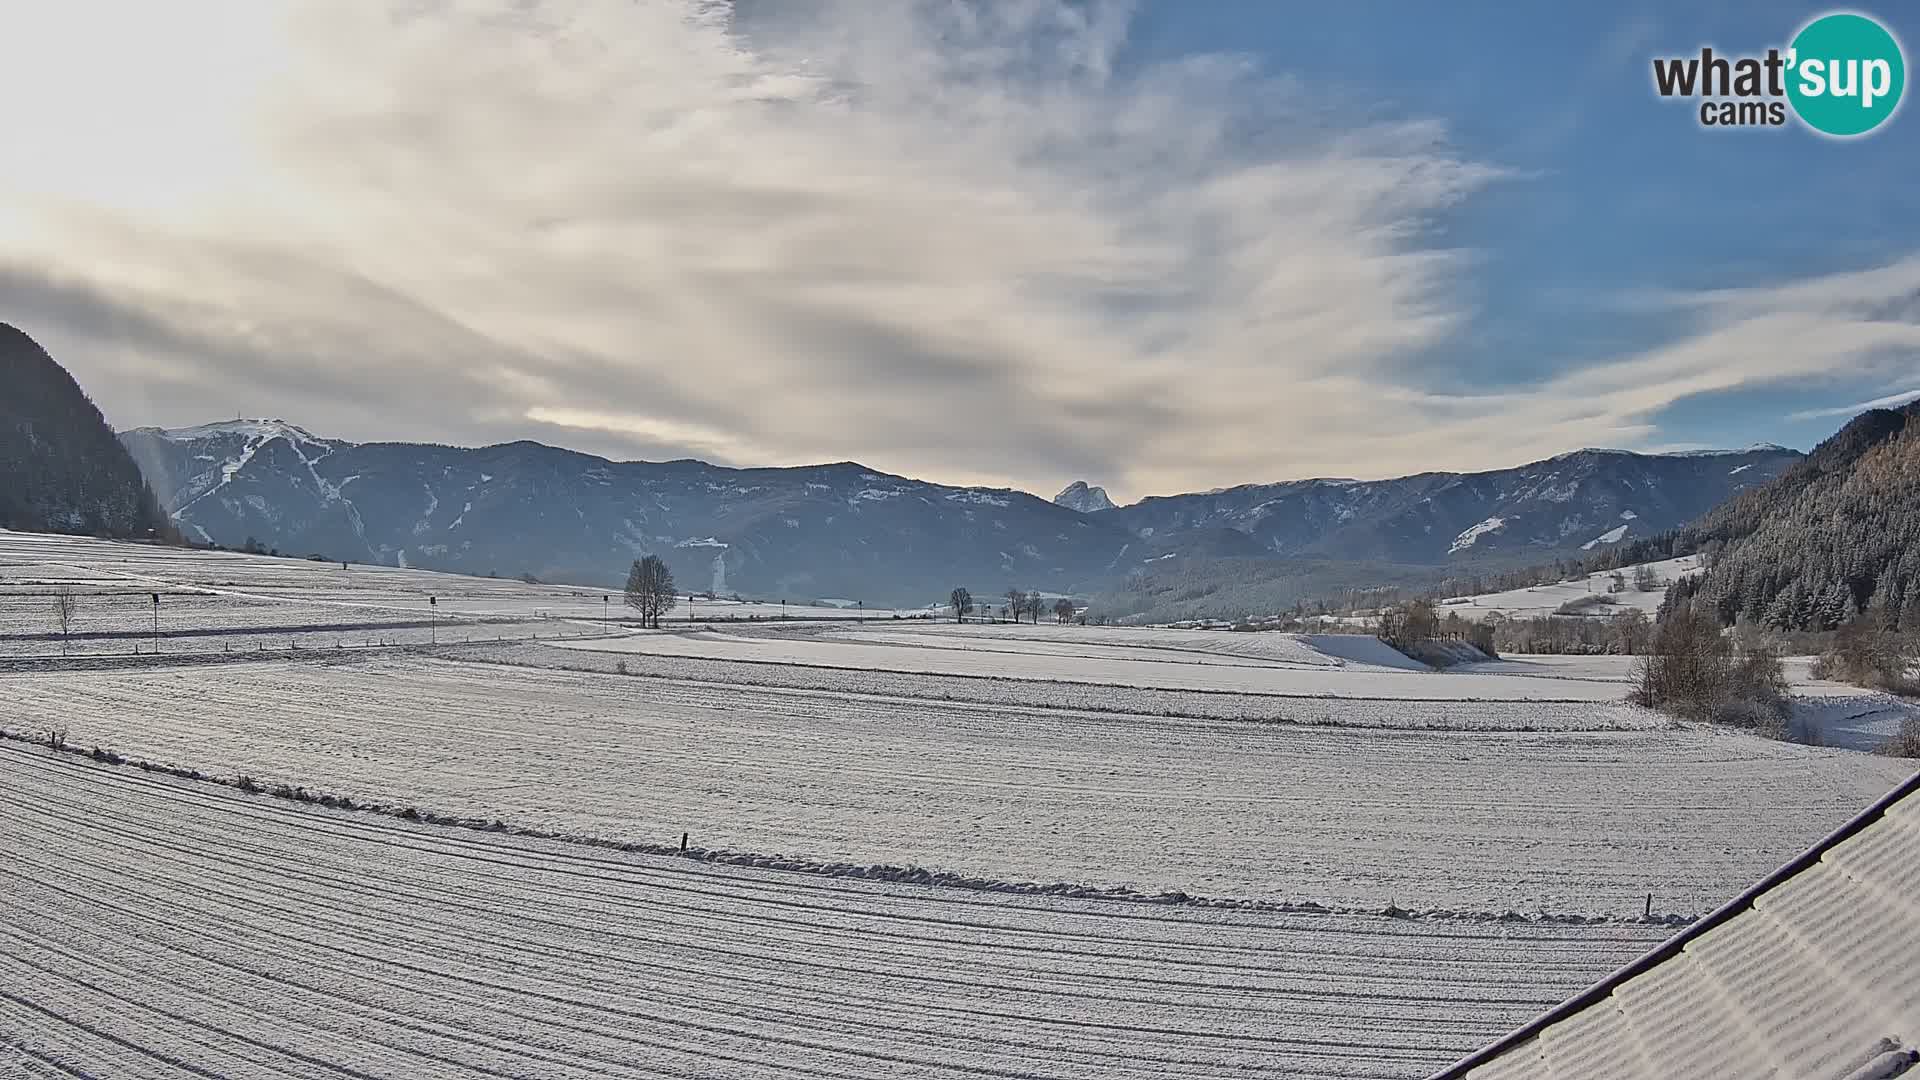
x: 1563, y: 822
x: 1547, y: 599
x: 1313, y: 666
x: 157, y: 927
x: 1274, y: 792
x: 227, y: 601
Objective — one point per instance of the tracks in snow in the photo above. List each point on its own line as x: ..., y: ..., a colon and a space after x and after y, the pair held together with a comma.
x: 236, y: 936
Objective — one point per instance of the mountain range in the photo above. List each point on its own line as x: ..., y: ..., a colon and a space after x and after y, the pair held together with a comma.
x: 845, y: 531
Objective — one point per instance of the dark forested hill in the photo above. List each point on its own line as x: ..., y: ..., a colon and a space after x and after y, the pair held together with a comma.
x: 1836, y: 535
x: 61, y: 468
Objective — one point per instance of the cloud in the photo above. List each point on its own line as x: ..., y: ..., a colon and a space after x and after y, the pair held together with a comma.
x: 1891, y: 401
x: 977, y: 243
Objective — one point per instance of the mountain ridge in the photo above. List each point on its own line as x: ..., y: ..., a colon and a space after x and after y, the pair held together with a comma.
x: 61, y: 467
x: 1835, y: 537
x: 846, y: 529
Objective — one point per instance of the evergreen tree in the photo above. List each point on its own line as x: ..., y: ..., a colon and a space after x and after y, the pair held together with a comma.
x: 61, y: 467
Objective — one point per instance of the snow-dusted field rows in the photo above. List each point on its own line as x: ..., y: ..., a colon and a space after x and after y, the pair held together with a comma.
x: 33, y: 562
x: 239, y: 936
x: 1584, y: 822
x: 1155, y: 643
x: 1068, y: 657
x: 1449, y: 714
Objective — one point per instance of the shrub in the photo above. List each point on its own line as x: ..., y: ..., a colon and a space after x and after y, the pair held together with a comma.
x: 1692, y: 670
x: 1905, y: 744
x: 1865, y: 653
x: 1481, y: 636
x: 620, y: 668
x: 1407, y: 626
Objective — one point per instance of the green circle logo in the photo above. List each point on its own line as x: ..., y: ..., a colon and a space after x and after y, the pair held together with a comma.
x: 1845, y: 74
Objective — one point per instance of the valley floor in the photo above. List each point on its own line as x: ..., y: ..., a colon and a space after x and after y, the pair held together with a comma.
x: 1164, y: 853
x: 159, y: 928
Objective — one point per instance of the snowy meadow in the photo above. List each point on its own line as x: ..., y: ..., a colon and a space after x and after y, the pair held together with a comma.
x: 911, y: 848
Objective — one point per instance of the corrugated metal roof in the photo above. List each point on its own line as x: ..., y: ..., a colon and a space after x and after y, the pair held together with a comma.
x: 1812, y: 974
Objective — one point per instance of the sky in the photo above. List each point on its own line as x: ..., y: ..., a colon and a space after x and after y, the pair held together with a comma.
x: 1161, y: 247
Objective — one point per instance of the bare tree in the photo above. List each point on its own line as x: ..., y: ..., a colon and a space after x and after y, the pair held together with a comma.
x: 961, y: 601
x: 64, y: 606
x: 1644, y: 579
x: 650, y: 590
x: 1409, y: 625
x: 1687, y: 667
x: 1866, y: 654
x: 1036, y: 607
x: 1631, y: 632
x: 1016, y: 604
x: 1063, y: 611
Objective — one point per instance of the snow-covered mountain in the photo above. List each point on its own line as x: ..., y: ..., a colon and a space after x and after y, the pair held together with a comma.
x: 839, y: 530
x: 1576, y: 501
x: 845, y: 530
x: 1087, y: 500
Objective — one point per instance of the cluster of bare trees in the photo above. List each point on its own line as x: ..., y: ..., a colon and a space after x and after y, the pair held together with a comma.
x: 1020, y: 604
x: 1628, y: 633
x: 1408, y: 626
x: 1693, y: 668
x: 650, y: 590
x: 1866, y: 652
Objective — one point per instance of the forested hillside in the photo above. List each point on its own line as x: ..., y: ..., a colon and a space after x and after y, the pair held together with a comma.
x: 61, y: 468
x: 1837, y: 535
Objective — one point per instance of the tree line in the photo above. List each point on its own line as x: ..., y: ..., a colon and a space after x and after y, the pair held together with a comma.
x: 1019, y: 604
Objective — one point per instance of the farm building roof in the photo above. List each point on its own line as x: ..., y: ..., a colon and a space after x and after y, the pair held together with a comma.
x: 1809, y: 974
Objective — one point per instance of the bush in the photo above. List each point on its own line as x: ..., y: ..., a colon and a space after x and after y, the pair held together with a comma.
x: 1693, y: 671
x: 1481, y: 636
x: 1906, y: 744
x: 1865, y: 653
x: 1687, y: 670
x: 1407, y: 626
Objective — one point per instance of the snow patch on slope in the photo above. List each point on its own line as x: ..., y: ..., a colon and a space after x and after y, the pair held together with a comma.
x: 1611, y: 536
x: 1472, y: 534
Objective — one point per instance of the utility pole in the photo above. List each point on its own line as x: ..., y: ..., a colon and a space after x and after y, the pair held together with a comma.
x: 433, y: 620
x: 689, y: 607
x: 606, y: 612
x: 862, y: 606
x: 156, y: 621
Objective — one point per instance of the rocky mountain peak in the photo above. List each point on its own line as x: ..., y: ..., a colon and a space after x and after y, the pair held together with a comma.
x: 1087, y: 500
